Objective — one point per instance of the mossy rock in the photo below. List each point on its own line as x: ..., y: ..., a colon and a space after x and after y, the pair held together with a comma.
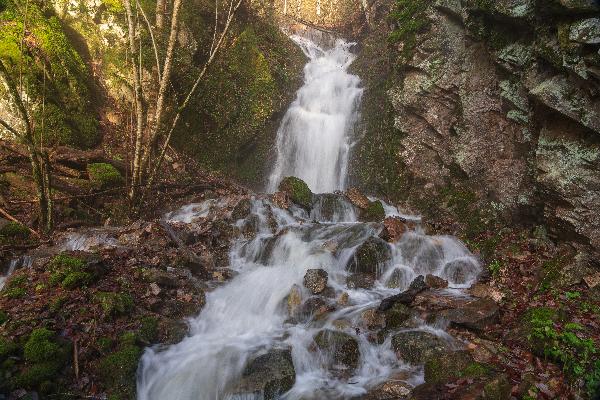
x: 369, y: 257
x: 452, y: 365
x: 416, y: 347
x: 268, y: 375
x: 341, y: 347
x: 398, y: 315
x: 374, y: 212
x: 104, y: 176
x: 114, y: 304
x: 45, y: 358
x: 297, y: 190
x: 117, y: 371
x: 69, y: 272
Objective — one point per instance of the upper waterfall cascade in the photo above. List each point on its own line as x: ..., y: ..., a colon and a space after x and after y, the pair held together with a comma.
x: 314, y: 138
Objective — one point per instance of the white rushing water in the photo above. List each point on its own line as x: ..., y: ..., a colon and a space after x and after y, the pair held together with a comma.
x: 249, y: 315
x: 314, y: 138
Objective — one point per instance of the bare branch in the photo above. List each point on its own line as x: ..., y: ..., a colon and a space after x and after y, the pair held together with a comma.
x: 150, y: 30
x: 9, y: 128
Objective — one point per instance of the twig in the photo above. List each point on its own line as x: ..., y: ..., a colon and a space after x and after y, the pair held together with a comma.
x: 76, y: 359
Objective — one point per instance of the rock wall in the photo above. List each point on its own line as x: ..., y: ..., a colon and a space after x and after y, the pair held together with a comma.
x: 487, y: 110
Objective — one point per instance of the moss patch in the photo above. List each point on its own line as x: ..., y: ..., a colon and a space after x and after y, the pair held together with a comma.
x: 374, y: 212
x: 114, y: 304
x: 117, y: 371
x: 104, y: 176
x: 297, y: 190
x: 70, y: 272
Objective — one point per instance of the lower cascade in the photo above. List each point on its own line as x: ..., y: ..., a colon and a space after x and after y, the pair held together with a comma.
x: 313, y: 310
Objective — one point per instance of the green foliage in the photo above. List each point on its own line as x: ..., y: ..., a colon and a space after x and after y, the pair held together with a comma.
x: 13, y: 289
x: 114, y: 6
x: 13, y: 232
x: 550, y: 273
x: 572, y: 295
x: 53, y: 72
x: 495, y: 267
x: 114, y: 304
x: 57, y: 303
x: 578, y: 356
x: 297, y: 190
x: 410, y: 17
x: 104, y: 344
x: 104, y: 176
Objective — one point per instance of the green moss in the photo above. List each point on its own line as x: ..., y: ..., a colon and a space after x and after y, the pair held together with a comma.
x: 104, y: 176
x: 57, y: 303
x: 41, y: 347
x: 14, y: 293
x: 52, y: 72
x: 7, y: 348
x: 148, y: 332
x: 37, y: 374
x: 13, y: 232
x: 114, y: 304
x: 374, y: 212
x: 104, y: 344
x: 297, y: 190
x: 551, y: 272
x: 237, y: 110
x: 68, y: 271
x: 410, y: 17
x: 76, y: 279
x: 117, y: 371
x: 475, y: 370
x: 3, y: 317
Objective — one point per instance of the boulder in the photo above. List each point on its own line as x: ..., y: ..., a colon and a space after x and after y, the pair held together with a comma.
x: 372, y: 319
x: 315, y: 280
x: 268, y: 375
x: 360, y: 281
x: 435, y: 282
x: 314, y: 307
x: 586, y: 31
x: 451, y: 365
x: 416, y: 347
x: 460, y: 271
x: 357, y: 198
x: 241, y: 210
x: 297, y: 191
x: 476, y: 315
x: 341, y: 347
x: 294, y: 299
x: 417, y: 286
x: 398, y: 316
x: 367, y: 258
x: 393, y: 229
x: 390, y: 390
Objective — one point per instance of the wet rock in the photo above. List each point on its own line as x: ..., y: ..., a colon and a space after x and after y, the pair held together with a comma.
x: 367, y: 258
x: 398, y: 316
x: 241, y: 210
x: 315, y: 280
x: 460, y: 271
x: 451, y: 365
x: 360, y: 281
x: 415, y: 347
x: 435, y: 282
x: 372, y: 319
x: 417, y: 286
x: 400, y: 277
x: 294, y: 299
x: 481, y: 290
x: 435, y: 300
x: 586, y: 31
x: 393, y: 229
x: 268, y: 375
x: 476, y: 315
x: 314, y: 307
x: 341, y: 347
x: 390, y: 390
x: 162, y: 278
x: 373, y: 213
x: 281, y: 200
x: 297, y: 191
x: 330, y: 207
x: 357, y: 198
x: 344, y: 299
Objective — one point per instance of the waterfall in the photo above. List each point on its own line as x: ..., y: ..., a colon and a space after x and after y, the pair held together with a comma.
x: 250, y: 315
x: 313, y: 140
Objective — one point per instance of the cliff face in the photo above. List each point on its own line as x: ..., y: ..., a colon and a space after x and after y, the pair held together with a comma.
x: 489, y: 109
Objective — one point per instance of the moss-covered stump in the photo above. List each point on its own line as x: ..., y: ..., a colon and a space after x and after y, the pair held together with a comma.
x: 297, y: 190
x: 104, y: 176
x: 341, y: 348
